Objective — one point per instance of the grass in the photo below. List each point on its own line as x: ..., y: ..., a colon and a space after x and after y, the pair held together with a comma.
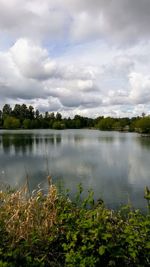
x: 23, y: 215
x: 51, y: 230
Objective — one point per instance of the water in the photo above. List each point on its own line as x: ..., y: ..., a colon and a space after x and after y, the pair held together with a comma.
x: 115, y: 165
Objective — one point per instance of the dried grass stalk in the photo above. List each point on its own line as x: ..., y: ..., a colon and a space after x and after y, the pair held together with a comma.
x: 26, y: 215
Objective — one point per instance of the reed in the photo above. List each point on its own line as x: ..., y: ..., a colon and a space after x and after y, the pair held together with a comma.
x: 25, y: 214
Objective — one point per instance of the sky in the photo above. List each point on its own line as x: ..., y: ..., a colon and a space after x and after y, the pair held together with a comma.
x: 86, y: 57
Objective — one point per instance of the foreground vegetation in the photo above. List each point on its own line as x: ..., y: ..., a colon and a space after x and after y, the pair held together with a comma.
x: 50, y: 230
x: 25, y: 117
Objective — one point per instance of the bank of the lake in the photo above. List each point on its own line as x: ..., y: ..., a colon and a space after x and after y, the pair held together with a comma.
x: 51, y: 230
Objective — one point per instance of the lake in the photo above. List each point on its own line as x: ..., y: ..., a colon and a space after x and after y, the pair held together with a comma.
x: 115, y: 165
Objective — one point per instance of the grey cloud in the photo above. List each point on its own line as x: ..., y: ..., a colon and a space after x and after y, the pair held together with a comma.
x: 74, y: 96
x: 14, y: 16
x: 17, y: 18
x: 50, y: 104
x: 86, y: 5
x: 80, y: 99
x: 123, y: 21
x: 129, y: 20
x: 24, y: 90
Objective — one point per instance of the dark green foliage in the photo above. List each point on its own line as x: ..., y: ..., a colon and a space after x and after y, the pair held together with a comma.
x: 11, y: 123
x: 102, y: 237
x: 27, y: 124
x: 143, y: 125
x: 58, y: 125
x: 7, y: 110
x: 1, y: 121
x: 25, y: 117
x: 106, y: 124
x: 30, y: 119
x: 58, y: 116
x: 85, y: 234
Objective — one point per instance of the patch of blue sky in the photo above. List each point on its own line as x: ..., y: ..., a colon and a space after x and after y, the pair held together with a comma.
x: 6, y: 41
x: 127, y: 109
x: 60, y: 45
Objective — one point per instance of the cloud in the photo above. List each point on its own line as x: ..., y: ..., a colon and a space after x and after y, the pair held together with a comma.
x: 32, y: 61
x: 30, y: 74
x: 32, y: 20
x: 90, y: 57
x: 140, y: 88
x: 51, y: 104
x: 119, y: 20
x: 123, y: 21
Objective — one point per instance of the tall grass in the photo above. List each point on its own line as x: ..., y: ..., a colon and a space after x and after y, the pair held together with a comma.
x: 24, y: 214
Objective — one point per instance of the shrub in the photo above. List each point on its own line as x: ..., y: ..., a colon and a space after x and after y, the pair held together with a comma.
x: 51, y: 230
x: 11, y: 123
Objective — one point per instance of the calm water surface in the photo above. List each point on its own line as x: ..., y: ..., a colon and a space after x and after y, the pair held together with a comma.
x: 115, y: 165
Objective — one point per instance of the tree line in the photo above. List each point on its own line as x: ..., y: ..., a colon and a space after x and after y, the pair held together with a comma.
x: 26, y: 117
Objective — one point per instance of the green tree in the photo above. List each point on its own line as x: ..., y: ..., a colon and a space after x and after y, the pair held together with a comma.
x: 106, y: 124
x: 31, y: 112
x: 117, y: 126
x: 27, y: 124
x: 37, y: 114
x: 58, y: 116
x: 0, y: 118
x: 77, y: 123
x: 7, y: 110
x: 143, y: 125
x: 52, y: 116
x: 17, y: 111
x: 24, y: 112
x: 11, y: 123
x: 46, y: 115
x: 58, y: 125
x: 35, y: 124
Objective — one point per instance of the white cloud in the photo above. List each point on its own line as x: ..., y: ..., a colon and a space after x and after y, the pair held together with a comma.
x: 90, y: 57
x: 32, y: 60
x: 140, y: 88
x: 30, y: 74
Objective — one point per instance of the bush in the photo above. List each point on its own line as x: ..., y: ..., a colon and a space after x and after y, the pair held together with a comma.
x: 143, y: 125
x: 11, y: 123
x: 58, y: 125
x: 51, y: 230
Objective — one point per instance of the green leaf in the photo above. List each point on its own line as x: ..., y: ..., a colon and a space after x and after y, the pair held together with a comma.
x: 107, y: 236
x: 102, y: 250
